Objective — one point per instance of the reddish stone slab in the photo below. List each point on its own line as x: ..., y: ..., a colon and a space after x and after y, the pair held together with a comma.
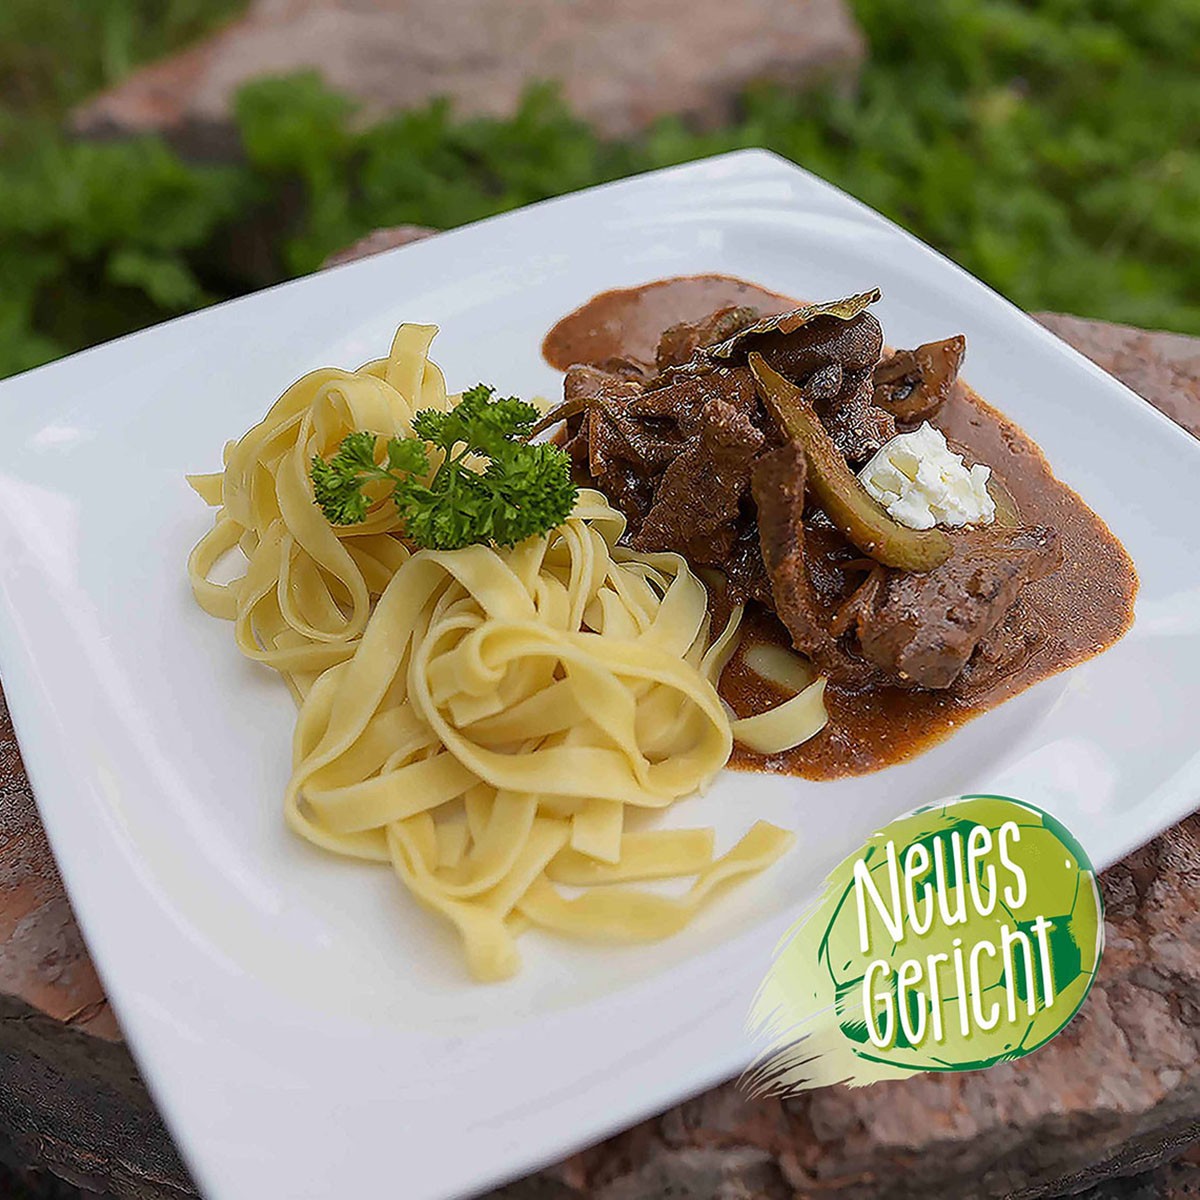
x: 379, y: 240
x: 1163, y: 367
x: 1117, y: 1093
x: 621, y: 64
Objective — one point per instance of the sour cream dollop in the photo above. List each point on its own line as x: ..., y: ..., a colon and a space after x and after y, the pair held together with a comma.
x: 922, y: 482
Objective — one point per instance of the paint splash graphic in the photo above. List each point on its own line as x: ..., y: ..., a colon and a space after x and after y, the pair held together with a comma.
x: 964, y: 934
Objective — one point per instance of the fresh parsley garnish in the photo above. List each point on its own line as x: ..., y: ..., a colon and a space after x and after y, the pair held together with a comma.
x: 524, y: 490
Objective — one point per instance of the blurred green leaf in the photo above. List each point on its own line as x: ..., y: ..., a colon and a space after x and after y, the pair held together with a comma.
x: 164, y: 278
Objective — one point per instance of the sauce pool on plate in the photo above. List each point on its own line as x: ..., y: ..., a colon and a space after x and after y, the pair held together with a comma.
x: 627, y: 322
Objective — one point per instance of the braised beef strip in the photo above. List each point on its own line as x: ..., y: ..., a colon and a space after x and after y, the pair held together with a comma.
x: 923, y: 629
x: 807, y: 580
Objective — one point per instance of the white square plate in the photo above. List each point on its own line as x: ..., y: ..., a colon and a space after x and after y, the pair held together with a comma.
x: 306, y: 1029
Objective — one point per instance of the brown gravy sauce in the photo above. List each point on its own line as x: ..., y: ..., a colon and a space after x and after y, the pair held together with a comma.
x: 627, y: 323
x: 1085, y: 606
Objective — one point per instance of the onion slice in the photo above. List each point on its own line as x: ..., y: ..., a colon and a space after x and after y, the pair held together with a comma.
x: 787, y: 725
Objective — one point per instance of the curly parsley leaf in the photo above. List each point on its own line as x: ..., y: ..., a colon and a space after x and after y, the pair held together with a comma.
x: 524, y: 489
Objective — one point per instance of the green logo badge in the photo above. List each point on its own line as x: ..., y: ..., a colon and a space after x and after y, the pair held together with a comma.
x: 962, y: 935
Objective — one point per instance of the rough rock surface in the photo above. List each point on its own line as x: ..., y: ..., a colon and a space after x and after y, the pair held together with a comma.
x: 71, y: 1099
x: 1116, y: 1095
x: 1163, y: 367
x: 379, y: 240
x: 621, y: 63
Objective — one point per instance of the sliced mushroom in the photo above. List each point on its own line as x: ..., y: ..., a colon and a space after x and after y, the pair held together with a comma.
x: 913, y: 384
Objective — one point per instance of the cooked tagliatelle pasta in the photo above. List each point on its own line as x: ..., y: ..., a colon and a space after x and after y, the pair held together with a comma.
x: 303, y: 602
x: 482, y: 719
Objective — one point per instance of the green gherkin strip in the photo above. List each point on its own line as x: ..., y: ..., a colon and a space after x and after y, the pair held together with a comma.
x: 837, y: 489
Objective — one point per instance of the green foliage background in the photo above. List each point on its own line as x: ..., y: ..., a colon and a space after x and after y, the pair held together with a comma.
x: 1050, y: 146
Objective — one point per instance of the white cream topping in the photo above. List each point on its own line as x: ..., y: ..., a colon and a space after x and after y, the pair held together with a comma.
x: 922, y: 482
